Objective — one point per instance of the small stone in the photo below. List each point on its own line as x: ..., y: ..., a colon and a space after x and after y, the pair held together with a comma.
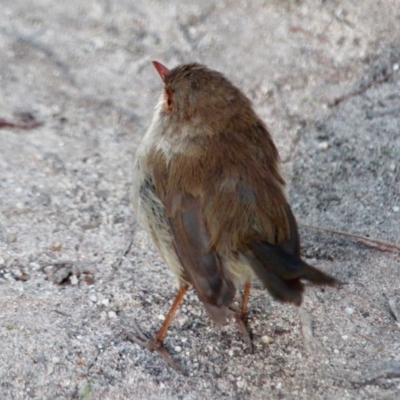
x: 241, y: 384
x: 112, y: 314
x: 183, y: 321
x: 161, y: 317
x: 65, y: 383
x: 105, y: 302
x: 395, y: 67
x: 39, y: 358
x: 93, y: 298
x: 178, y: 349
x: 73, y: 279
x: 8, y: 276
x: 345, y: 337
x: 396, y: 209
x: 230, y: 352
x: 34, y: 266
x: 349, y: 310
x: 267, y: 339
x: 55, y: 360
x: 56, y: 246
x: 323, y: 145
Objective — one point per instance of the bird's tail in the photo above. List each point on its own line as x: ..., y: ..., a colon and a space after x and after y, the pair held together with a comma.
x: 282, y: 273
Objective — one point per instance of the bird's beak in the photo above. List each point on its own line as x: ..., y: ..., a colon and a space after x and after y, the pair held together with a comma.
x: 161, y: 69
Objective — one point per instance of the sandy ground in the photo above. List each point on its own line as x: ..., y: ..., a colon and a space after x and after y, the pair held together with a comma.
x: 75, y: 269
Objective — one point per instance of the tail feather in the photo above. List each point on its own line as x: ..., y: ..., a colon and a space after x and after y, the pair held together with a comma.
x: 282, y: 273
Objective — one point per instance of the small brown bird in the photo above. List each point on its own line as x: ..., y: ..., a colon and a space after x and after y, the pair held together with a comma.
x: 208, y: 189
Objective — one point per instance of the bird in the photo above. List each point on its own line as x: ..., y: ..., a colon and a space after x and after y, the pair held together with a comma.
x: 208, y: 188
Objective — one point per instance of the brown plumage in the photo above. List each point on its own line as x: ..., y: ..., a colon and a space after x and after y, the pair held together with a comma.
x: 209, y: 191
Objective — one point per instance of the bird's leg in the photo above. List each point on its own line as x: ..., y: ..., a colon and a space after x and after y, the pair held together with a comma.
x: 156, y: 344
x: 245, y: 298
x: 241, y: 317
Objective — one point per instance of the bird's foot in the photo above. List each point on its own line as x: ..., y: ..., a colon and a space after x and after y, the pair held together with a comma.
x: 243, y: 329
x: 154, y: 344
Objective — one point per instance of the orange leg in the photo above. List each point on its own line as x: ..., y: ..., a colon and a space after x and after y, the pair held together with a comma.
x: 171, y: 313
x: 245, y: 298
x: 156, y: 344
x: 241, y: 317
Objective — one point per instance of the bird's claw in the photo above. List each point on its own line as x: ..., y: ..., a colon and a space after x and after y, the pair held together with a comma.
x: 244, y: 330
x: 154, y: 344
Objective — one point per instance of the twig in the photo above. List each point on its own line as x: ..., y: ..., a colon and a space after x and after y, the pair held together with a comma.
x: 95, y: 358
x: 361, y: 90
x: 377, y: 244
x: 123, y: 254
x: 61, y: 313
x: 24, y: 124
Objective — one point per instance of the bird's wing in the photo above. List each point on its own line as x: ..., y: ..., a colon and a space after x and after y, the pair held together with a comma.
x: 261, y: 226
x: 279, y: 265
x: 201, y: 264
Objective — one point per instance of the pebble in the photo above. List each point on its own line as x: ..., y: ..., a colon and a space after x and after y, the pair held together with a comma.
x: 323, y: 145
x: 161, y: 317
x: 34, y: 265
x: 93, y: 298
x: 8, y: 276
x: 39, y: 358
x: 241, y: 384
x: 267, y: 339
x: 56, y: 246
x: 73, y: 279
x: 396, y: 209
x: 183, y: 321
x: 112, y: 314
x: 65, y: 383
x: 178, y: 349
x: 105, y: 302
x: 349, y: 310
